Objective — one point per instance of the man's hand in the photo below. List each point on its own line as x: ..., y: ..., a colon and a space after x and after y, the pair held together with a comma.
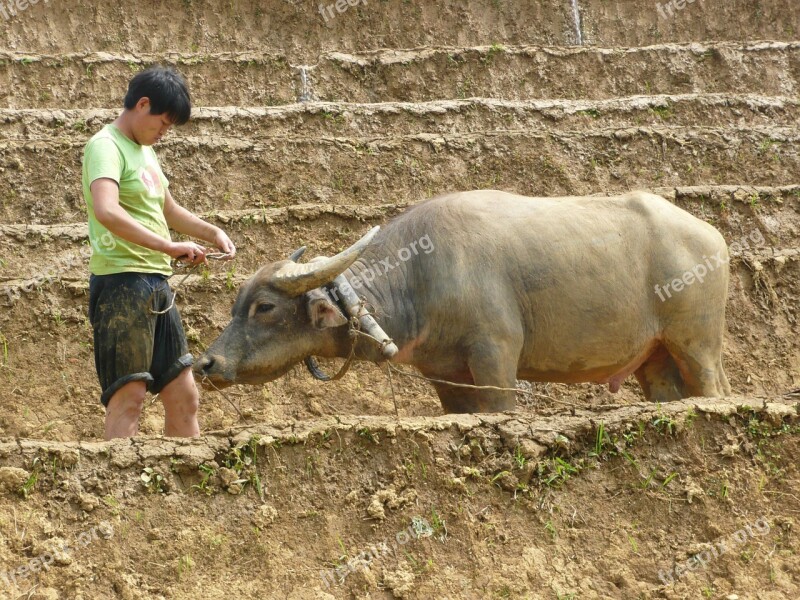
x: 187, y: 252
x: 182, y: 221
x: 224, y: 243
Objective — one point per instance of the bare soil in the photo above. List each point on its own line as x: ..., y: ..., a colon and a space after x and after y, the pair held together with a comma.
x: 579, y: 493
x: 590, y: 504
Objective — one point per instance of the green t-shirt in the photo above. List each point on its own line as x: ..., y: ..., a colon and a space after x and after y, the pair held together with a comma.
x: 142, y: 189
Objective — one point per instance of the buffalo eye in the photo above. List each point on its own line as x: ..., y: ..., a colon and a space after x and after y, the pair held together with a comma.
x: 264, y: 307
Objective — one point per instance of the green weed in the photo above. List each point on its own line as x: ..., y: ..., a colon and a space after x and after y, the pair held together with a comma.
x: 557, y: 472
x: 243, y: 460
x: 229, y: 274
x: 185, y: 565
x: 4, y: 344
x: 601, y: 441
x: 494, y: 49
x: 437, y: 525
x: 519, y: 458
x: 80, y: 126
x: 669, y: 478
x: 204, y: 487
x: 499, y: 475
x: 366, y: 434
x: 664, y: 424
x: 663, y: 112
x: 30, y: 484
x: 550, y: 528
x: 152, y: 480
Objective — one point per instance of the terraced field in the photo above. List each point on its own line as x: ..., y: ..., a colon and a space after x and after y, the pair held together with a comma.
x: 308, y: 130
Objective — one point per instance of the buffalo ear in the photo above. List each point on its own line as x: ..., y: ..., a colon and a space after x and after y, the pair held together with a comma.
x: 322, y: 312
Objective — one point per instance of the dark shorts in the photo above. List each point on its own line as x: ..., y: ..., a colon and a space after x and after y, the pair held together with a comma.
x: 130, y: 342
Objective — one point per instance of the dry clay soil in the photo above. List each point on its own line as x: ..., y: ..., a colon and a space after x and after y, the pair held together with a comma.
x: 302, y: 490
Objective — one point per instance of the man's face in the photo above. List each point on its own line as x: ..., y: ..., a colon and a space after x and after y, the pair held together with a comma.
x: 149, y: 129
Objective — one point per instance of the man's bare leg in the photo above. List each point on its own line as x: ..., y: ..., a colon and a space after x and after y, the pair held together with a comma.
x: 124, y: 409
x: 181, y: 401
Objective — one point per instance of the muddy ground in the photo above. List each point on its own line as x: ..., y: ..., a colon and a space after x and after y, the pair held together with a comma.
x: 298, y: 489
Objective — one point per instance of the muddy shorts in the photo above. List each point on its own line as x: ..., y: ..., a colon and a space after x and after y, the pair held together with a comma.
x: 131, y: 343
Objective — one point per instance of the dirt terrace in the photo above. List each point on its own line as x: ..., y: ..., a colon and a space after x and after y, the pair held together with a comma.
x: 510, y: 72
x: 299, y: 29
x: 577, y: 494
x: 50, y: 325
x: 503, y: 506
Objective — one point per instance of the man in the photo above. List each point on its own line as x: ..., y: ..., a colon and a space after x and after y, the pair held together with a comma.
x: 139, y: 345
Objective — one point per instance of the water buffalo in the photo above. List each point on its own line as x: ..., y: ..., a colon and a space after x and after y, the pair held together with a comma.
x: 486, y: 287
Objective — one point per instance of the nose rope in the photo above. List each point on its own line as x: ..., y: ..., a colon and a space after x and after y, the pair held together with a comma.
x: 391, y: 368
x: 178, y: 264
x: 206, y: 380
x: 355, y: 332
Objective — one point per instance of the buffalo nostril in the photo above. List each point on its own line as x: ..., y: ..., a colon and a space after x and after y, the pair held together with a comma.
x: 204, y: 365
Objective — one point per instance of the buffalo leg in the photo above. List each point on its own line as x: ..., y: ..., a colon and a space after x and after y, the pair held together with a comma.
x: 491, y: 366
x: 660, y: 377
x: 488, y: 366
x: 724, y: 385
x: 701, y: 370
x: 463, y: 400
x: 456, y: 399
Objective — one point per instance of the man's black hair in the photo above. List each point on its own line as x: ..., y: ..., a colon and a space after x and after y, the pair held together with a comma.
x: 167, y: 91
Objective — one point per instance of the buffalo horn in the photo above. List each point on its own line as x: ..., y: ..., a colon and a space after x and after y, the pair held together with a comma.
x: 313, y: 368
x: 295, y: 256
x: 298, y: 278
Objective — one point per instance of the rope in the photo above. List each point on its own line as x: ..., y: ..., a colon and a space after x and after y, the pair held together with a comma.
x: 391, y: 387
x: 355, y: 328
x: 178, y: 264
x: 478, y: 387
x: 354, y: 331
x: 454, y: 384
x: 392, y: 368
x: 206, y: 380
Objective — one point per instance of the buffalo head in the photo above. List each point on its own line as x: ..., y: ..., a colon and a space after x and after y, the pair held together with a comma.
x: 279, y: 318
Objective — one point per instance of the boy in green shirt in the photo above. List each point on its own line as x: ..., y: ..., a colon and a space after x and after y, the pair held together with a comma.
x: 138, y: 344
